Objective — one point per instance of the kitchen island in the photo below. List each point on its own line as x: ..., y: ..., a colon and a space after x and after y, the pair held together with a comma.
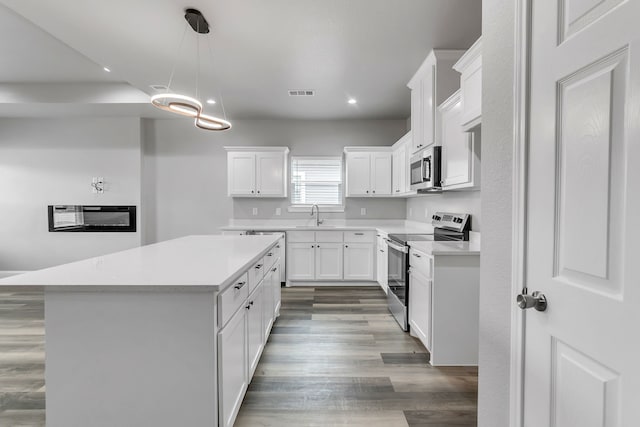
x: 162, y: 335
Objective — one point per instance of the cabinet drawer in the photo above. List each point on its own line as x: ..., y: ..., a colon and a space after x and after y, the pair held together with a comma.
x: 270, y: 258
x: 359, y: 236
x: 256, y: 273
x: 329, y: 236
x: 301, y: 236
x: 421, y: 262
x: 232, y: 297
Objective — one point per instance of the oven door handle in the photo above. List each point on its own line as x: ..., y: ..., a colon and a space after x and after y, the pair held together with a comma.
x: 397, y: 247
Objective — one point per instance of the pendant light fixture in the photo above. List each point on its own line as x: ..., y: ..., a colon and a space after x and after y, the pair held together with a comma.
x: 187, y: 105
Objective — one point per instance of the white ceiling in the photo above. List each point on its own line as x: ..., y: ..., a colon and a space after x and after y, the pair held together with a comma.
x: 53, y: 52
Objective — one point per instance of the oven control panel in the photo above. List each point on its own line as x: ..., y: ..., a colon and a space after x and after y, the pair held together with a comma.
x: 451, y: 221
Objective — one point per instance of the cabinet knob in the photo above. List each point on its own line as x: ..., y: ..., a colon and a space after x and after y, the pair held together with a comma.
x: 258, y: 191
x: 346, y: 246
x: 313, y: 246
x: 317, y: 246
x: 373, y: 191
x: 252, y: 191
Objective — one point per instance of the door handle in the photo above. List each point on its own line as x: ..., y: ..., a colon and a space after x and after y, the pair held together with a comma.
x: 239, y: 285
x: 536, y: 300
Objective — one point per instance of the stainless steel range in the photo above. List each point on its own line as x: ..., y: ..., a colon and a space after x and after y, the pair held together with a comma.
x: 447, y: 227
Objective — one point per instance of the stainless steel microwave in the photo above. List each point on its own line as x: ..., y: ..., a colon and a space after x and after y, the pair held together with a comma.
x: 80, y: 218
x: 425, y: 169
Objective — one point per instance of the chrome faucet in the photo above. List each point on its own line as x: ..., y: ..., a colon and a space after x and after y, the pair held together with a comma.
x: 318, y: 220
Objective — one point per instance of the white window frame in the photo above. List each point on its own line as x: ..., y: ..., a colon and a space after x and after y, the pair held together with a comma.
x: 323, y: 208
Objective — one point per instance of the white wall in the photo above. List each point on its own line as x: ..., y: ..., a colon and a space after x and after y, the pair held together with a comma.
x: 495, y: 267
x: 52, y: 161
x: 422, y: 207
x: 185, y: 170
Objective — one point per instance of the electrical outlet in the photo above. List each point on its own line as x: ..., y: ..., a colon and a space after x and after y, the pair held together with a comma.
x: 278, y: 211
x: 255, y: 211
x: 363, y: 211
x: 97, y: 185
x: 410, y: 211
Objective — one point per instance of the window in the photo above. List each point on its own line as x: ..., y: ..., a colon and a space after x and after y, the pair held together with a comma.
x: 316, y: 181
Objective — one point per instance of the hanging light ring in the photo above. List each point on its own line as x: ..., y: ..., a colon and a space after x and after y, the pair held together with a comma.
x: 176, y: 103
x: 206, y: 122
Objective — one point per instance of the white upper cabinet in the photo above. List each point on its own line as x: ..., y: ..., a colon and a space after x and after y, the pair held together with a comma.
x: 434, y: 82
x: 470, y: 69
x: 400, y: 171
x: 460, y: 149
x: 368, y: 171
x: 257, y: 171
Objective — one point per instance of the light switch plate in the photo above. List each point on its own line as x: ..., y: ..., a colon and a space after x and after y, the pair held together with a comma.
x: 363, y: 211
x: 255, y: 211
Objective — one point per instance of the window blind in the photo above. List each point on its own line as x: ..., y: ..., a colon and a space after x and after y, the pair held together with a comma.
x: 316, y: 181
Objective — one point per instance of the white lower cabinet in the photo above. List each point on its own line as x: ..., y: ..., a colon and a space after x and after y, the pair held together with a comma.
x: 330, y: 256
x: 328, y: 261
x: 420, y: 307
x: 301, y: 261
x: 358, y: 261
x: 243, y: 335
x: 382, y: 263
x: 255, y: 331
x: 233, y: 377
x: 444, y: 306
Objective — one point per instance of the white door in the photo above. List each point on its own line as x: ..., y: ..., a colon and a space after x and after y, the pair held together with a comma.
x: 583, y: 251
x: 329, y: 261
x: 381, y: 173
x: 301, y: 261
x: 241, y: 173
x: 358, y: 261
x: 270, y: 176
x: 358, y: 174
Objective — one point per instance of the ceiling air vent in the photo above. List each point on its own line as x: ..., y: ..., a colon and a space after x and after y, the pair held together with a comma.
x: 158, y: 88
x: 302, y: 93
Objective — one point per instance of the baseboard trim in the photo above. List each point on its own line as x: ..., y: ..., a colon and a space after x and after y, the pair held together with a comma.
x: 325, y: 284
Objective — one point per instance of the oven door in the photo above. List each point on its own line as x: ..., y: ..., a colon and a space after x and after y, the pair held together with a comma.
x: 397, y: 297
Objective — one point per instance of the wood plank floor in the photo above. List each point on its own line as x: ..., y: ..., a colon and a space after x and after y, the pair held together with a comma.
x: 335, y: 357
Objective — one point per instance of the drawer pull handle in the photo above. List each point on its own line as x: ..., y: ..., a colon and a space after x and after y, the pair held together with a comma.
x: 258, y: 267
x: 239, y: 285
x: 270, y: 254
x: 248, y: 307
x: 277, y: 246
x: 274, y: 269
x: 359, y: 234
x: 417, y: 256
x: 381, y: 251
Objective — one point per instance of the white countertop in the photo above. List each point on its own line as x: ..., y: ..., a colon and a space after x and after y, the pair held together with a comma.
x: 447, y: 248
x: 198, y: 261
x: 385, y: 226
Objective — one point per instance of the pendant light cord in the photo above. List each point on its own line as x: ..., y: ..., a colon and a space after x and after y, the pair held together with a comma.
x: 175, y: 63
x: 224, y: 113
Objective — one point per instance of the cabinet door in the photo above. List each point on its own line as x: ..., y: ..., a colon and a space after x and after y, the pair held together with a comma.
x: 358, y: 174
x: 457, y: 150
x: 428, y: 107
x: 416, y: 117
x: 232, y: 367
x: 329, y: 261
x: 268, y: 301
x: 276, y: 287
x: 380, y: 181
x: 358, y: 261
x: 270, y: 175
x: 241, y: 173
x: 471, y: 85
x: 395, y: 173
x: 382, y: 263
x: 255, y: 330
x: 401, y: 155
x: 301, y: 261
x: 420, y: 308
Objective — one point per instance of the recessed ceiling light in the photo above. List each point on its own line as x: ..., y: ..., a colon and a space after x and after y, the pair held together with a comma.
x: 352, y: 101
x: 211, y: 101
x: 106, y: 69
